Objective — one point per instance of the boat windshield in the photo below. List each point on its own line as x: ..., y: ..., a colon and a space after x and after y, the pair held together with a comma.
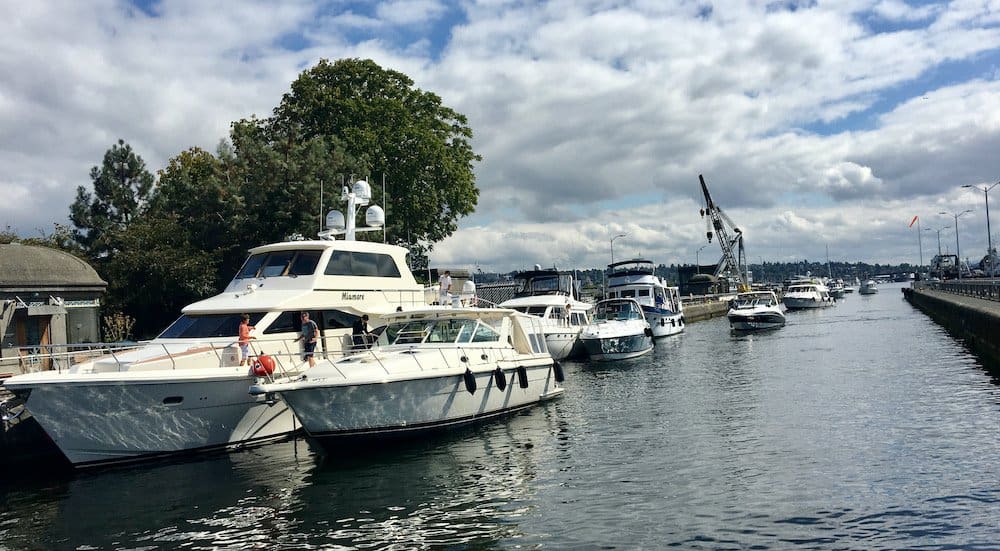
x: 207, y: 326
x: 439, y: 331
x: 624, y: 310
x: 280, y: 263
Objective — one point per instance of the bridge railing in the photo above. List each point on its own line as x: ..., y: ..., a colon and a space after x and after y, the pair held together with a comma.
x: 987, y: 289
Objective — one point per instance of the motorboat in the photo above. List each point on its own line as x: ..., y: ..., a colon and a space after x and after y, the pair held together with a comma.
x: 431, y: 368
x: 807, y: 294
x: 868, y: 287
x: 756, y: 310
x: 554, y: 297
x: 186, y: 390
x: 618, y: 331
x: 837, y: 288
x: 661, y: 303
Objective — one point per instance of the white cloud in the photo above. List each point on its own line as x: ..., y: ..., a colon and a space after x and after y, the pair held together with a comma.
x: 592, y: 117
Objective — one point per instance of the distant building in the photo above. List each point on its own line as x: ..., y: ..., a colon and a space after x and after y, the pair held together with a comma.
x: 47, y: 297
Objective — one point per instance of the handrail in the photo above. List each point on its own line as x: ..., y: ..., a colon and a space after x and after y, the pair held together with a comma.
x: 986, y: 289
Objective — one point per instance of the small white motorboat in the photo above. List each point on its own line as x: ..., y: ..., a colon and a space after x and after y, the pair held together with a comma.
x: 554, y: 297
x: 756, y: 310
x: 868, y: 287
x: 431, y: 368
x: 619, y: 331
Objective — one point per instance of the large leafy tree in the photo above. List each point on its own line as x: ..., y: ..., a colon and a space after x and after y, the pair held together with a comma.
x: 122, y: 186
x: 421, y: 146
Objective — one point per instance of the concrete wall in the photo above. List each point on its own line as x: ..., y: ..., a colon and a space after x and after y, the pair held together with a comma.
x: 976, y: 321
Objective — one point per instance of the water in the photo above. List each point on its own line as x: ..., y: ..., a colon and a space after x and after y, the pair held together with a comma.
x: 863, y: 426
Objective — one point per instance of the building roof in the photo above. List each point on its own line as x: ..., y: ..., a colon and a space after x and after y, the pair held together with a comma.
x: 33, y: 266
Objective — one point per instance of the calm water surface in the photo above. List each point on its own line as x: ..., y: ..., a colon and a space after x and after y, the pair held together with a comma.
x: 863, y: 426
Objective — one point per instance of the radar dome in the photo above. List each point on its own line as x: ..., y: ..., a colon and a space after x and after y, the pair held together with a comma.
x: 335, y: 220
x: 375, y: 216
x: 362, y: 190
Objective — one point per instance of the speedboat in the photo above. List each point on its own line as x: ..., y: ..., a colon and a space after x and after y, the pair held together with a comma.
x: 619, y: 331
x: 661, y: 304
x: 868, y: 287
x: 837, y: 288
x: 756, y: 310
x: 807, y: 294
x: 554, y: 297
x: 186, y: 390
x: 430, y: 368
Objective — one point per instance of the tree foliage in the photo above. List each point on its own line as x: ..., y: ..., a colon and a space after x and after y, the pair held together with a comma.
x: 121, y: 187
x: 162, y: 244
x: 421, y: 146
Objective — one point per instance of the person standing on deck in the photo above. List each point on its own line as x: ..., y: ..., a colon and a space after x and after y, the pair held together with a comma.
x: 308, y: 338
x: 245, y: 329
x: 445, y: 288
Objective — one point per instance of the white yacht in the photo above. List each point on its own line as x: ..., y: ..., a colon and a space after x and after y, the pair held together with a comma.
x: 807, y: 294
x: 868, y: 287
x: 661, y: 304
x: 756, y: 310
x: 618, y: 331
x: 185, y: 390
x: 430, y: 368
x: 837, y: 288
x: 546, y: 294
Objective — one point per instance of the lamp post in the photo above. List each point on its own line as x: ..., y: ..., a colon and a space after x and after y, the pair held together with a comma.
x: 938, y: 232
x: 697, y: 259
x: 613, y: 245
x: 958, y: 251
x: 989, y: 237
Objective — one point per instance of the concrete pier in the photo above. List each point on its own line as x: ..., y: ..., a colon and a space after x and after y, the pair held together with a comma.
x: 969, y: 313
x: 705, y: 307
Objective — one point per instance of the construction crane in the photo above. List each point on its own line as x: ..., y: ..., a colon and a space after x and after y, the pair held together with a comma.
x: 732, y: 266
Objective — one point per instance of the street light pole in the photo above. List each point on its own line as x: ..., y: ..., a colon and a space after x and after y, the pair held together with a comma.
x: 613, y: 245
x: 697, y: 258
x: 989, y: 236
x: 958, y: 251
x: 938, y: 232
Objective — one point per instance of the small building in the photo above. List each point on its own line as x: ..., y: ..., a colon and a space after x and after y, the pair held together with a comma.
x: 47, y: 297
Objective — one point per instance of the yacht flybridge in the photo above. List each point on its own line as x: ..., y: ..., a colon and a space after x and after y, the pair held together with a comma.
x: 186, y: 390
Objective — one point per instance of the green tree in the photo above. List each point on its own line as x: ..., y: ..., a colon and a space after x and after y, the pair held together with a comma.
x: 421, y: 146
x: 121, y: 187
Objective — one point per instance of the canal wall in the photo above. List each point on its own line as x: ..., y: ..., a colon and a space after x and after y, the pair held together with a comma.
x: 705, y: 307
x: 966, y: 316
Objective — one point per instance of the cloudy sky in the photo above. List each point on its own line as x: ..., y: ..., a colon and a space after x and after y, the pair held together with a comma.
x: 817, y: 125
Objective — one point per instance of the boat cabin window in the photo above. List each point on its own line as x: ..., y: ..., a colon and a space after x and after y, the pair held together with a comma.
x: 628, y: 293
x: 577, y: 318
x: 618, y: 311
x: 361, y: 264
x: 643, y: 292
x: 280, y: 263
x: 190, y: 326
x: 290, y: 322
x: 544, y: 285
x: 532, y: 310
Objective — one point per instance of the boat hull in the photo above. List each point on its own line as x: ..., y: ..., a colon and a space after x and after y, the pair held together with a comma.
x: 563, y: 342
x: 804, y: 303
x: 756, y: 321
x: 96, y: 423
x: 618, y: 347
x: 664, y: 323
x: 407, y: 407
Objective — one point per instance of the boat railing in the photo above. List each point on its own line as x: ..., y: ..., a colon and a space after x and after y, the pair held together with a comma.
x: 447, y: 354
x: 58, y: 357
x: 986, y: 289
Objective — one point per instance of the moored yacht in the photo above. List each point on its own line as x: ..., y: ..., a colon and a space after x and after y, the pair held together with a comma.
x: 186, y: 390
x: 618, y: 331
x: 837, y: 288
x: 554, y: 297
x: 661, y: 303
x: 756, y: 310
x: 430, y: 368
x: 868, y: 287
x: 807, y: 294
